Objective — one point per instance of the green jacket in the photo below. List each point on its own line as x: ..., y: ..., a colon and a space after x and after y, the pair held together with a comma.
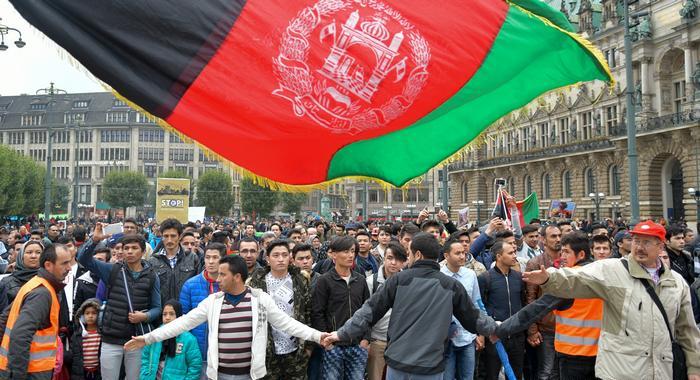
x: 186, y: 365
x: 634, y: 341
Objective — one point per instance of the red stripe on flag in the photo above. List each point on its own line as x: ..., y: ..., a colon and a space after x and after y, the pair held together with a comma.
x: 238, y: 109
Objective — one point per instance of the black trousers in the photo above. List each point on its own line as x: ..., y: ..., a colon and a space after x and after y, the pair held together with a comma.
x: 515, y: 347
x: 576, y: 367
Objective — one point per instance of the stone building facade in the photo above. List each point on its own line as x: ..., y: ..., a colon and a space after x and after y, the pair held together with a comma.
x: 572, y: 142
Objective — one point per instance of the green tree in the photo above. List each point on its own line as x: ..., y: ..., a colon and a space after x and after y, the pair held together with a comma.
x: 21, y: 184
x: 258, y: 199
x: 180, y: 174
x: 214, y: 191
x: 124, y: 189
x: 292, y: 202
x: 60, y: 193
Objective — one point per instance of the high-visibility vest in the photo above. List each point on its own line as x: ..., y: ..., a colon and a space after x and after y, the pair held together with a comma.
x: 44, y: 345
x: 578, y: 328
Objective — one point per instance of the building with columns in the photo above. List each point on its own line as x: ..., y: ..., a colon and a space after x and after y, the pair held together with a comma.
x: 98, y: 133
x: 572, y: 142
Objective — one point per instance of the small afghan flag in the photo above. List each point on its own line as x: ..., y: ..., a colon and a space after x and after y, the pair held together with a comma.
x: 299, y: 92
x: 527, y: 209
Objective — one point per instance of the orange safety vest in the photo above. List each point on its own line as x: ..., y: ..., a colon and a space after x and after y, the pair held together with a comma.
x: 44, y: 345
x: 578, y: 328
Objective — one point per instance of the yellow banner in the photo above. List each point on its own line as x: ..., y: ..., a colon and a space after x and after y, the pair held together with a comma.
x: 172, y: 199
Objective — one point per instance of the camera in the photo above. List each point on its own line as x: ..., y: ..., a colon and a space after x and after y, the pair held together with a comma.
x: 500, y: 182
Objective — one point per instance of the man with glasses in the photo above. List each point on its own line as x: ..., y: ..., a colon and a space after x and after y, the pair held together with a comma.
x: 634, y: 337
x: 249, y: 250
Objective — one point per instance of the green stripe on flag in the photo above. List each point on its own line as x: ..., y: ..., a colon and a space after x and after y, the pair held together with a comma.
x: 527, y: 59
x: 529, y: 208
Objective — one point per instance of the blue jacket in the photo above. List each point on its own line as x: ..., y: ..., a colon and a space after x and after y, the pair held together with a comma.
x: 194, y: 291
x: 185, y: 365
x: 503, y: 295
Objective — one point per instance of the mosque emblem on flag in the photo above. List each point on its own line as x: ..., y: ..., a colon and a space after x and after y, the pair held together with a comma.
x: 350, y: 66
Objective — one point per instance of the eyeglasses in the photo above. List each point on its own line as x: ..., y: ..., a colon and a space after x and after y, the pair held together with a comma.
x: 645, y: 243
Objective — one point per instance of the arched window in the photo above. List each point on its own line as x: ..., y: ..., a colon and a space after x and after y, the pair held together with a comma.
x: 527, y: 186
x: 614, y: 179
x: 566, y: 184
x: 589, y: 181
x: 511, y: 185
x: 546, y: 186
x: 465, y: 193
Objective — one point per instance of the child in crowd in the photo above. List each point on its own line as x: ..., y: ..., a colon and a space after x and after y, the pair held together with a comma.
x: 85, y: 342
x: 175, y: 358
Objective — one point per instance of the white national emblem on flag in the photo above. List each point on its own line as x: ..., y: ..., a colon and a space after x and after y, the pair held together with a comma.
x: 364, y: 52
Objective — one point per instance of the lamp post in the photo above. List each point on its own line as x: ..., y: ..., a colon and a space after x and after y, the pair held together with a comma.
x: 79, y: 120
x: 388, y: 212
x: 478, y: 204
x: 615, y: 205
x: 50, y: 91
x: 597, y: 198
x: 631, y: 123
x: 5, y: 31
x: 695, y: 193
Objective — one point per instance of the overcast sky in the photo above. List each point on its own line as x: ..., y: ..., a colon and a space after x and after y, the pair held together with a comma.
x: 25, y: 70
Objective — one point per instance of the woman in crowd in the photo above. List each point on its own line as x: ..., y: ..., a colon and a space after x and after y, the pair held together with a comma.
x: 26, y: 267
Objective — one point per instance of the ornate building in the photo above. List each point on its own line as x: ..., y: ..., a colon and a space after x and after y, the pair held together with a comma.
x: 572, y: 142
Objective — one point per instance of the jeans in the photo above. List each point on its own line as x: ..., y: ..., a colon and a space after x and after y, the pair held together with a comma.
x: 314, y: 370
x: 515, y: 348
x: 345, y: 362
x: 203, y: 374
x: 546, y: 356
x: 576, y: 367
x: 460, y: 362
x: 223, y: 376
x: 395, y: 374
x: 111, y: 357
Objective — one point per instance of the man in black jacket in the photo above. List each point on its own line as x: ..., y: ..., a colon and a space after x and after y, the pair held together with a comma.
x: 422, y: 301
x: 33, y: 314
x: 337, y: 295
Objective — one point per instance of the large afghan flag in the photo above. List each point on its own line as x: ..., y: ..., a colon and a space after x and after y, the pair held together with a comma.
x: 300, y: 92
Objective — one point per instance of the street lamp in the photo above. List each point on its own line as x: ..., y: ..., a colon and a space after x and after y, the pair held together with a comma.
x: 78, y: 121
x: 478, y: 205
x: 51, y: 91
x: 615, y: 205
x: 695, y: 193
x: 5, y: 30
x: 388, y: 212
x: 597, y: 198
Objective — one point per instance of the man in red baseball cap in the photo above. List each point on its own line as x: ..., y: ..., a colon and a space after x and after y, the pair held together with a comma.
x: 634, y: 338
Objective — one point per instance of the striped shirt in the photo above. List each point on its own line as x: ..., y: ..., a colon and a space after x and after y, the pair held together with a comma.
x: 91, y: 347
x: 236, y: 337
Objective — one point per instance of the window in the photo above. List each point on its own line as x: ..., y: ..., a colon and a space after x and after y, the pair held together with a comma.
x: 60, y: 155
x: 177, y: 154
x: 465, y: 192
x: 589, y: 181
x: 37, y: 137
x: 38, y: 106
x: 84, y: 154
x: 150, y: 170
x: 115, y: 135
x: 28, y: 120
x: 61, y: 137
x: 5, y: 106
x: 60, y: 172
x: 120, y: 117
x: 16, y: 138
x: 544, y: 134
x: 175, y: 139
x: 614, y: 180
x: 566, y: 184
x: 564, y: 130
x: 376, y: 196
x: 527, y: 185
x: 546, y: 186
x: 120, y: 103
x: 612, y: 62
x: 81, y: 104
x: 587, y: 125
x: 360, y: 195
x: 678, y: 96
x: 85, y: 136
x: 611, y: 118
x: 397, y: 196
x: 511, y: 185
x: 38, y: 154
x: 150, y: 154
x: 84, y: 194
x: 104, y: 170
x: 73, y: 117
x: 189, y: 170
x: 114, y: 154
x: 151, y: 135
x: 144, y: 119
x: 85, y: 172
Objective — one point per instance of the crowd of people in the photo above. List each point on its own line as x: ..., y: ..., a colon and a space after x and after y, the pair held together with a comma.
x: 421, y: 299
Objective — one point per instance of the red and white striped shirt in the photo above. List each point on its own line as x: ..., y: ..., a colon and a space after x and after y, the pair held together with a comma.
x: 91, y: 348
x: 236, y: 337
